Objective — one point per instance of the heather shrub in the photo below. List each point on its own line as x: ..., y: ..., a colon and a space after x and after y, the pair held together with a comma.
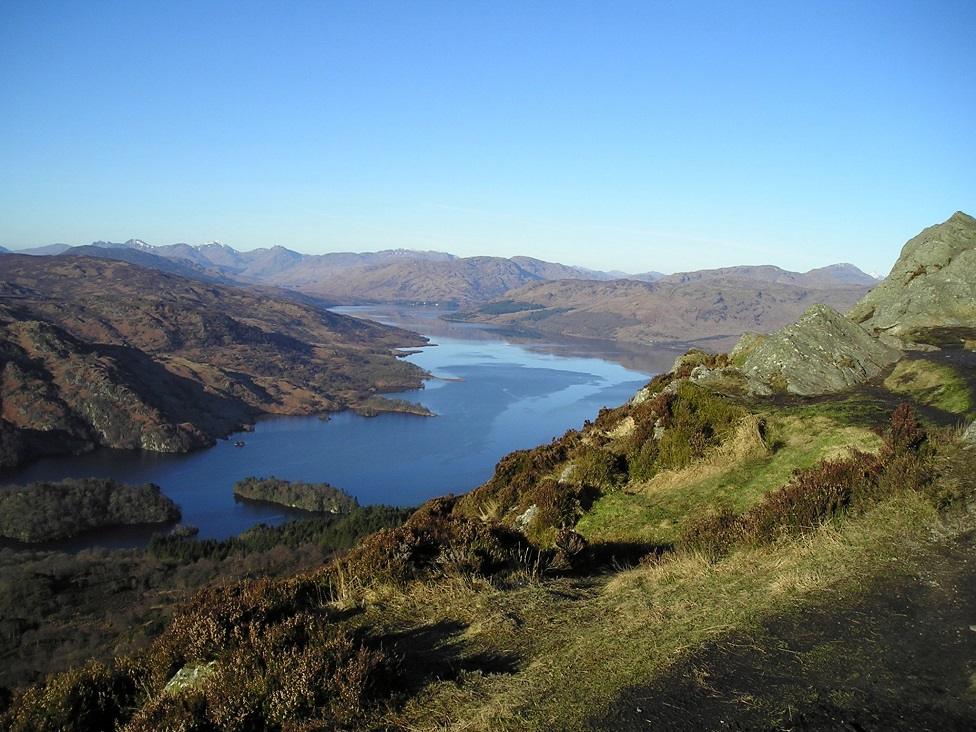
x: 598, y: 467
x: 515, y: 476
x: 695, y: 358
x: 300, y: 673
x: 570, y: 547
x: 93, y: 697
x: 557, y: 505
x: 811, y: 497
x: 712, y: 534
x: 435, y: 540
x: 693, y: 419
x: 642, y: 462
x: 905, y: 432
x: 905, y: 471
x: 906, y: 453
x: 223, y: 616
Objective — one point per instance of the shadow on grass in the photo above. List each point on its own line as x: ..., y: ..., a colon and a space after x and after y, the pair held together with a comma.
x: 437, y: 652
x: 612, y: 555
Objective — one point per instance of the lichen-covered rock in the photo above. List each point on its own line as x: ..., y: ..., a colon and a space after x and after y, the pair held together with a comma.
x: 821, y: 353
x: 932, y: 285
x: 970, y: 434
x: 747, y: 344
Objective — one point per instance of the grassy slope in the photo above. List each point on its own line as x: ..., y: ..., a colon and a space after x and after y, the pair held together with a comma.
x: 575, y: 645
x: 551, y: 654
x: 653, y: 511
x: 939, y: 385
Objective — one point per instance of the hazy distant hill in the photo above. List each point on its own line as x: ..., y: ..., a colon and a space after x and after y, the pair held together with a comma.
x: 835, y: 275
x: 555, y: 271
x: 458, y: 281
x: 408, y: 276
x: 143, y: 258
x: 393, y: 275
x: 715, y: 305
x: 45, y: 250
x: 95, y: 351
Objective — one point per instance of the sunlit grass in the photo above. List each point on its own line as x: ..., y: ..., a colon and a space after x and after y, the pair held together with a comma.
x: 935, y: 384
x: 655, y: 511
x: 625, y: 628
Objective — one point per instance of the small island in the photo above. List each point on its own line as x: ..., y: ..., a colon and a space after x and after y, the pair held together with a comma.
x: 382, y: 405
x: 313, y: 497
x: 42, y: 512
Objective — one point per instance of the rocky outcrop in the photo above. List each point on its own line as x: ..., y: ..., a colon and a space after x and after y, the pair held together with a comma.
x: 821, y: 353
x: 931, y: 287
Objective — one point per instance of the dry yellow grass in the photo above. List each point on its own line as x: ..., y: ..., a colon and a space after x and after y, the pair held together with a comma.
x: 579, y: 643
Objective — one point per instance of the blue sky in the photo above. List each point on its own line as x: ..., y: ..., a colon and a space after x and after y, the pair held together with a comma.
x: 615, y: 135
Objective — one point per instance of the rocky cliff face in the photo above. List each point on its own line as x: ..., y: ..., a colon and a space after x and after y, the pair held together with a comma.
x: 931, y: 288
x: 823, y: 352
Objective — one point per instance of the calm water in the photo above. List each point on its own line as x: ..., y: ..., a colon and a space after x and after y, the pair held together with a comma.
x: 490, y: 397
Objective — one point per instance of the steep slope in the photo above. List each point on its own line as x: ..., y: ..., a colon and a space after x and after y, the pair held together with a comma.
x: 177, y: 361
x: 60, y: 394
x: 714, y: 307
x: 931, y: 288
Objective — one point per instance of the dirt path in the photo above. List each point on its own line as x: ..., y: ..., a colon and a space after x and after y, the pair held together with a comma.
x: 901, y: 657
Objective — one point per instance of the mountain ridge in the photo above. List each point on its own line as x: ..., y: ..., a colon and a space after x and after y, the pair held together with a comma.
x: 416, y: 276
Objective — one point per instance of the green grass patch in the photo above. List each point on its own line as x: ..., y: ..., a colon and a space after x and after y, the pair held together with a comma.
x: 935, y: 384
x: 858, y: 408
x: 655, y: 511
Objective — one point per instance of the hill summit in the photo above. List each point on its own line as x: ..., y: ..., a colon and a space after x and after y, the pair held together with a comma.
x: 929, y: 299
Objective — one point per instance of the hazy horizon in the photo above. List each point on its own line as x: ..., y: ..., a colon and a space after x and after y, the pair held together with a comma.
x: 18, y: 250
x: 631, y: 137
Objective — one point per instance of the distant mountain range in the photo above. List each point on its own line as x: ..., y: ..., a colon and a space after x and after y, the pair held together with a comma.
x: 408, y: 276
x: 712, y: 308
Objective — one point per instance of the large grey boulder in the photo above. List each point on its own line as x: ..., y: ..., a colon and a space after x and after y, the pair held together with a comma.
x: 821, y: 353
x: 932, y: 285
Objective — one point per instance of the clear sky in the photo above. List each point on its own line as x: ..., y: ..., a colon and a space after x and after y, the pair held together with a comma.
x: 616, y: 135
